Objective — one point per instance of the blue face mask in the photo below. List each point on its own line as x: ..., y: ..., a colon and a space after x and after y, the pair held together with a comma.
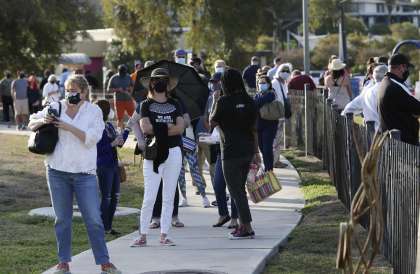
x: 263, y: 87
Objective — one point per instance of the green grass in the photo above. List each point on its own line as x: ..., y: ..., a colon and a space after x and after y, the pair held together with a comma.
x: 312, y: 245
x: 28, y: 243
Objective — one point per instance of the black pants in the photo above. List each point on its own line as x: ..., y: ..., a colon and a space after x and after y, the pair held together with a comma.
x: 235, y: 172
x: 157, y: 209
x: 7, y: 104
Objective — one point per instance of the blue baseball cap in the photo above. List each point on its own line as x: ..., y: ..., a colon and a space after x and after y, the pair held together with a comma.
x: 180, y: 52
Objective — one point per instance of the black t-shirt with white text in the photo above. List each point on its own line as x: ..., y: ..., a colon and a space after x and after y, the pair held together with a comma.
x: 166, y: 113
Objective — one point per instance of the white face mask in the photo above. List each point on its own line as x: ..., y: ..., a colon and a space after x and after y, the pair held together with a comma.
x: 284, y: 75
x: 180, y: 60
x: 111, y: 114
x: 219, y: 69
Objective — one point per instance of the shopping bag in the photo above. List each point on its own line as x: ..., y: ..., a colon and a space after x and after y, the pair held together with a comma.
x: 261, y: 185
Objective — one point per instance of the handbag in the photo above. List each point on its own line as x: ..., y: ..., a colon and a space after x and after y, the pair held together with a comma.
x: 272, y: 111
x: 261, y: 185
x: 150, y: 150
x: 45, y: 138
x: 287, y: 106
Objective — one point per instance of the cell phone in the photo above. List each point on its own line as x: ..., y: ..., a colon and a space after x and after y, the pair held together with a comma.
x: 53, y: 112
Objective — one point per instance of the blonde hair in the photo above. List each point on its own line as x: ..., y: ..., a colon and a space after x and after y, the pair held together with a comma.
x: 79, y: 80
x: 219, y: 62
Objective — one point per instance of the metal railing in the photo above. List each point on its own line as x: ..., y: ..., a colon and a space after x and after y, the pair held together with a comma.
x: 341, y: 143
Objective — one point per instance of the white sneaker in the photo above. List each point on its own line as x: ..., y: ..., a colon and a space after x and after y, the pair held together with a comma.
x: 206, y: 202
x: 183, y: 203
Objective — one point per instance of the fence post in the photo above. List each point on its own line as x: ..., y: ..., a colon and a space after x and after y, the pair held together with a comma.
x: 305, y: 89
x: 370, y: 126
x: 395, y: 134
x: 351, y: 156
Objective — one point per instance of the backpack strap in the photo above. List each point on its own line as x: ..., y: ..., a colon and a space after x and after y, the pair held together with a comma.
x: 59, y: 109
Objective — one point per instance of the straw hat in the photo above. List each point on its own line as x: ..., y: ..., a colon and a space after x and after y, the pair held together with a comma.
x: 160, y: 73
x: 336, y: 64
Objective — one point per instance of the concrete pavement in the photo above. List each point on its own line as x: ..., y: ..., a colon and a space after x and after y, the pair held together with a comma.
x: 200, y: 247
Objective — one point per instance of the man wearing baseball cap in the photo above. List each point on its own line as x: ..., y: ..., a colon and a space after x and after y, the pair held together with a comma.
x: 398, y: 109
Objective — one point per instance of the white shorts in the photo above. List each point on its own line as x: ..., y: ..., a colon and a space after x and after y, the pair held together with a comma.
x: 21, y: 107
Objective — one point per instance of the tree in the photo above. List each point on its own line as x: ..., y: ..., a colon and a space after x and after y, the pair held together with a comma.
x: 404, y: 31
x: 33, y: 33
x: 322, y: 52
x: 143, y: 26
x: 324, y: 15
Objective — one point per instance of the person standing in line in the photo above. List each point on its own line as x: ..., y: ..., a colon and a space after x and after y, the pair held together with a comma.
x: 180, y: 57
x: 51, y: 91
x: 398, y: 108
x: 107, y: 168
x: 34, y: 95
x: 367, y: 101
x: 161, y: 117
x: 6, y: 96
x: 281, y: 90
x: 236, y: 113
x: 20, y: 98
x: 272, y: 72
x: 139, y: 91
x: 219, y: 182
x: 44, y: 80
x: 71, y: 170
x: 249, y: 75
x: 266, y: 129
x: 219, y: 66
x: 122, y: 86
x: 338, y: 84
x: 298, y: 81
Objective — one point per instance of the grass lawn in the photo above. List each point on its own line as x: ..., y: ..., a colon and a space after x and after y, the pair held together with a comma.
x: 28, y: 243
x: 312, y: 246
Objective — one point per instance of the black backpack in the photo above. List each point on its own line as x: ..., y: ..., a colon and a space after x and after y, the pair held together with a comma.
x: 45, y: 138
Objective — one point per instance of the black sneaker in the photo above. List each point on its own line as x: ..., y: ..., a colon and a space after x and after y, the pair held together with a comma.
x: 241, y: 234
x: 113, y: 232
x: 214, y: 203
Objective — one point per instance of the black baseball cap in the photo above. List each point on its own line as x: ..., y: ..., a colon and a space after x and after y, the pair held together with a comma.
x: 399, y: 59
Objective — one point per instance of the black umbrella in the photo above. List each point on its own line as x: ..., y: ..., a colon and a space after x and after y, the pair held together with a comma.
x: 191, y: 90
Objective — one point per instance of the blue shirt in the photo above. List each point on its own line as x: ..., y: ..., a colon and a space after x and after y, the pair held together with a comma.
x: 107, y: 154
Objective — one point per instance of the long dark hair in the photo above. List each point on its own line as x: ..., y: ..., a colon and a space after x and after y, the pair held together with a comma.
x: 337, y: 74
x: 232, y: 82
x: 267, y: 79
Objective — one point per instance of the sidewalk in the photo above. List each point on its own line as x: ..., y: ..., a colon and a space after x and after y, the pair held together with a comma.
x: 200, y: 247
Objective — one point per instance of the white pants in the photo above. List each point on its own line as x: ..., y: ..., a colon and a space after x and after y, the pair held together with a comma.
x: 169, y: 172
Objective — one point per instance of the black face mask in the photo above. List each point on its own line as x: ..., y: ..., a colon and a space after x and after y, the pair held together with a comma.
x: 405, y: 75
x: 160, y: 86
x: 73, y: 99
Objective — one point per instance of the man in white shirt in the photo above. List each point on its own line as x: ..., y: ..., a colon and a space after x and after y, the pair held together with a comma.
x: 367, y: 101
x: 272, y: 72
x: 279, y: 84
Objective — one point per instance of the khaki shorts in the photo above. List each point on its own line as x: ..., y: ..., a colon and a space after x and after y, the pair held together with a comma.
x: 21, y: 107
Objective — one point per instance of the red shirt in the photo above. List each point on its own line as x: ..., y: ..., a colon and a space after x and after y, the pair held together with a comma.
x: 298, y: 82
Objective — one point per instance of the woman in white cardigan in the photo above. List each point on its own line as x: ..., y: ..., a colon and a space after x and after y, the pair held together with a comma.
x: 71, y: 171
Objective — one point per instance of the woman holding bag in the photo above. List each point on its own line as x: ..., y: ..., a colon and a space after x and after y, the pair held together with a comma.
x: 266, y: 129
x: 71, y: 171
x: 161, y: 118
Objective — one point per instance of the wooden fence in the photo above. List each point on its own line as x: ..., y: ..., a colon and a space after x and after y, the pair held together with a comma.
x: 337, y: 140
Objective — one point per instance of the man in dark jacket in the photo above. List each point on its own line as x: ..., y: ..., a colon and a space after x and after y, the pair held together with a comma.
x: 398, y: 109
x: 249, y: 75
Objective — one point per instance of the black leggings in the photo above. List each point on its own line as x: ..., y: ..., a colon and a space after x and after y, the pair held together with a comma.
x: 157, y: 209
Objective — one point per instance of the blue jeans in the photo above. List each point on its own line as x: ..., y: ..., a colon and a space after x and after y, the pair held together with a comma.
x: 62, y: 186
x: 220, y: 192
x: 266, y: 138
x: 109, y: 183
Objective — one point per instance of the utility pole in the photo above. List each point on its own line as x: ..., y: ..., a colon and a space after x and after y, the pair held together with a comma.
x: 306, y: 56
x: 342, y: 30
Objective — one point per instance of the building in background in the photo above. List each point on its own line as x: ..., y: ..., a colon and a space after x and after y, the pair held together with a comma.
x: 376, y: 12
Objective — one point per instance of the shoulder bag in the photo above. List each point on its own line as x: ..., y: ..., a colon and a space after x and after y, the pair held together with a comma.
x: 286, y: 105
x: 45, y: 138
x: 272, y: 111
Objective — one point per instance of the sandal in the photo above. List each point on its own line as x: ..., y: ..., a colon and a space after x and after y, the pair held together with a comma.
x: 223, y: 221
x: 167, y: 242
x: 177, y: 223
x: 154, y: 225
x: 140, y: 242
